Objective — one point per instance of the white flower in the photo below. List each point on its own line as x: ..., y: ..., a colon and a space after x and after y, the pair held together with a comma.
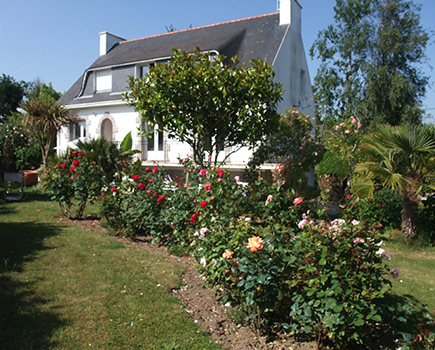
x: 237, y: 178
x: 380, y: 251
x: 355, y: 222
x: 302, y: 223
x: 203, y: 262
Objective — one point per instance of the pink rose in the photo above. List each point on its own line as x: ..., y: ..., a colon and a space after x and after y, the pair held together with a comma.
x: 297, y: 201
x: 207, y: 187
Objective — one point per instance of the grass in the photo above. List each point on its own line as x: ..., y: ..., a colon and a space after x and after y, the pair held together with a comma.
x: 66, y: 286
x: 416, y: 266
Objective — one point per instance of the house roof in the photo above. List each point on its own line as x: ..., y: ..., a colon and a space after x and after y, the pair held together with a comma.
x: 249, y: 38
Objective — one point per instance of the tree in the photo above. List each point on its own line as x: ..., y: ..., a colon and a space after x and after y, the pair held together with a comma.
x: 395, y: 85
x: 45, y: 116
x: 403, y: 159
x: 209, y: 102
x: 370, y: 59
x: 11, y: 95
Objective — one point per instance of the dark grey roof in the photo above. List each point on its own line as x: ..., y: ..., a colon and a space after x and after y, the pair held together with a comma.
x: 249, y: 38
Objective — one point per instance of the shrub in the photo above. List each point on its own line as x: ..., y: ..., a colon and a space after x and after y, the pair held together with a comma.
x: 72, y: 179
x: 427, y: 220
x: 267, y: 252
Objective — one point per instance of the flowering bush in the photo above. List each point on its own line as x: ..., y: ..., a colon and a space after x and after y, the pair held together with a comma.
x: 73, y: 180
x: 295, y: 150
x: 264, y: 249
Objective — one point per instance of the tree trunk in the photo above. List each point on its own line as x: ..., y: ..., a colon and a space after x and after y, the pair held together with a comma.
x: 409, y: 216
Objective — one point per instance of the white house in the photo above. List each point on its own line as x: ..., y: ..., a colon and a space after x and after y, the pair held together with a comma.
x: 96, y: 96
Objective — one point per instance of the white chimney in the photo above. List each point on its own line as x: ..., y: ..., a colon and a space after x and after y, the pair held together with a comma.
x: 107, y: 41
x: 285, y: 12
x: 290, y: 14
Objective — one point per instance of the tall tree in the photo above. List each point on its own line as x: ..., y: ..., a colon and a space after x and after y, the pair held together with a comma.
x: 403, y: 159
x: 395, y: 85
x: 370, y: 63
x: 45, y: 116
x: 209, y: 102
x: 11, y: 95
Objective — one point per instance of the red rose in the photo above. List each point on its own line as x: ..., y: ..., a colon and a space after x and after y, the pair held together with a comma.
x: 148, y: 191
x: 160, y: 199
x: 72, y: 168
x: 74, y: 152
x: 220, y: 172
x: 135, y: 177
x: 204, y: 204
x: 113, y: 189
x: 80, y: 154
x: 155, y: 169
x: 141, y: 186
x: 156, y: 194
x: 151, y: 181
x: 63, y: 165
x: 76, y: 162
x: 194, y: 217
x: 147, y: 168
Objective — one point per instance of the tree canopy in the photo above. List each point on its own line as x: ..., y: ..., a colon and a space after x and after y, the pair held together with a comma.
x: 45, y: 116
x: 403, y: 159
x: 370, y: 63
x: 11, y: 95
x: 209, y: 102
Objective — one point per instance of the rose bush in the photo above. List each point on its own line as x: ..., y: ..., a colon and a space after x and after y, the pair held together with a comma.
x: 73, y: 180
x: 264, y: 249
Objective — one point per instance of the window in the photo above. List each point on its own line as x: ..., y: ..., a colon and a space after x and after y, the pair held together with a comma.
x: 155, y: 139
x: 107, y: 129
x: 103, y: 80
x: 77, y: 130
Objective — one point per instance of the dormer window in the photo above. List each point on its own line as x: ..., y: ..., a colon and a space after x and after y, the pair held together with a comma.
x: 103, y: 80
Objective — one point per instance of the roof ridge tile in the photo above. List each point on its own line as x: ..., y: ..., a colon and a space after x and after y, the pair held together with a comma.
x: 200, y: 27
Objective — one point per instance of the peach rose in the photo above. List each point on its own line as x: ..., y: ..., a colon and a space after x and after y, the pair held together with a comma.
x: 254, y: 244
x: 228, y: 254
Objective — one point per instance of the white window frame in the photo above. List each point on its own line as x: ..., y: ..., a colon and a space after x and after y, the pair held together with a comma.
x: 103, y: 80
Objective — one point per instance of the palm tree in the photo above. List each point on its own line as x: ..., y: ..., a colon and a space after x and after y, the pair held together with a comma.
x: 45, y: 116
x: 403, y: 159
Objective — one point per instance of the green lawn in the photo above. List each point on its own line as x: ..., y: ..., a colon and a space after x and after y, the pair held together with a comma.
x: 63, y: 286
x: 416, y: 266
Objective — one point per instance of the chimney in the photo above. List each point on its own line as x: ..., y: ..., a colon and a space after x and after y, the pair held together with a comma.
x: 107, y: 41
x: 290, y: 14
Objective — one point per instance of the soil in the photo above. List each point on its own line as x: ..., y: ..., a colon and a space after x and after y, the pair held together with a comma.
x: 203, y: 307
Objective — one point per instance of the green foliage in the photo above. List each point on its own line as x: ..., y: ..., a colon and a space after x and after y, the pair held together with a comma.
x: 73, y: 180
x: 109, y: 158
x: 294, y: 147
x: 17, y: 149
x: 383, y: 210
x: 370, y: 63
x: 208, y: 102
x: 332, y: 164
x: 427, y: 220
x: 400, y: 158
x: 45, y: 116
x: 11, y: 95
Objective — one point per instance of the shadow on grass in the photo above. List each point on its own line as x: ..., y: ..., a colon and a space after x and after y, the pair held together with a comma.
x: 23, y: 322
x: 404, y: 317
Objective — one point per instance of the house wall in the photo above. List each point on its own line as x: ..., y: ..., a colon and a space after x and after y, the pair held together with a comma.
x: 291, y: 69
x: 124, y: 119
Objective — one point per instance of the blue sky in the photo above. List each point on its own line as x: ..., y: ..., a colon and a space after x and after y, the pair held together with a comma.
x: 56, y: 40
